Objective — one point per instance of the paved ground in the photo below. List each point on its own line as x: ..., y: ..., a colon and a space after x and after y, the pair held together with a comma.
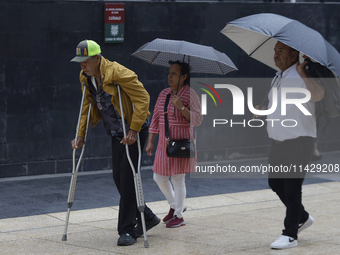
x: 225, y: 215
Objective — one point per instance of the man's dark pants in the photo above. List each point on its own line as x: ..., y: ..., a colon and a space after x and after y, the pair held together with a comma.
x: 129, y: 214
x: 288, y: 186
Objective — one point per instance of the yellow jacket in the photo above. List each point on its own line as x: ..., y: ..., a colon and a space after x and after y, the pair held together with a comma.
x: 131, y: 90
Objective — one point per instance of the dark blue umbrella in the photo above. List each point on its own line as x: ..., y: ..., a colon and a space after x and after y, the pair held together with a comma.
x: 257, y: 35
x: 202, y: 59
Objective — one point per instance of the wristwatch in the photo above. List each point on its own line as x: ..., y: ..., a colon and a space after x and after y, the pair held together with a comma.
x: 182, y: 109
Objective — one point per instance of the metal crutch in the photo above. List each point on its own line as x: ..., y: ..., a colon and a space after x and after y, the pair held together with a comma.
x: 136, y: 176
x: 76, y: 168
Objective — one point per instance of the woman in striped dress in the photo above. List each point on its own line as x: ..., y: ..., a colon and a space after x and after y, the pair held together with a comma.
x: 184, y: 112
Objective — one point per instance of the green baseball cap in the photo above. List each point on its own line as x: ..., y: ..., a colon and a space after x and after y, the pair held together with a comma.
x: 86, y: 49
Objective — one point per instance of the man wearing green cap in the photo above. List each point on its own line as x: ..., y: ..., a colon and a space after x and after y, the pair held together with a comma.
x: 101, y: 76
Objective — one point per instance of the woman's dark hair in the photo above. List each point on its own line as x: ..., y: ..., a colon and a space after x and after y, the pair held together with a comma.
x: 185, y: 69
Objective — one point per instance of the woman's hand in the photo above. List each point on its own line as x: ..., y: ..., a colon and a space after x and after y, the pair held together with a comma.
x: 149, y: 148
x: 176, y: 101
x: 257, y: 107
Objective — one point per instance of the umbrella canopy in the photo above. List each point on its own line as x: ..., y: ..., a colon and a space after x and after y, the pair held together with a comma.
x: 257, y: 35
x: 202, y: 59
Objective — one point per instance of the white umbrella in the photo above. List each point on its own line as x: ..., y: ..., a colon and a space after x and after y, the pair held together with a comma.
x: 257, y: 35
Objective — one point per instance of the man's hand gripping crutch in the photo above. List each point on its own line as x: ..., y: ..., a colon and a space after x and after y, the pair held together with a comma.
x: 77, y: 143
x: 136, y: 175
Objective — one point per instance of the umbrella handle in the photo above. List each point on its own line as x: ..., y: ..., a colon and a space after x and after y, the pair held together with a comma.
x: 178, y: 83
x: 265, y: 99
x: 181, y: 72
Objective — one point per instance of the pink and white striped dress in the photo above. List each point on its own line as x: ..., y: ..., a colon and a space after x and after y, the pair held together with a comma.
x: 179, y: 128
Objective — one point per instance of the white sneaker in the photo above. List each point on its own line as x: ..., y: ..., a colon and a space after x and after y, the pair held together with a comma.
x: 284, y: 242
x: 307, y: 224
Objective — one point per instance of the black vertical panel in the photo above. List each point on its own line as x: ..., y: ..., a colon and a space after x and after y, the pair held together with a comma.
x: 40, y: 87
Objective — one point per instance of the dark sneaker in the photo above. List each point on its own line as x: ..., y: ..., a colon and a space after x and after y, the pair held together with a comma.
x: 170, y: 215
x: 149, y: 225
x: 175, y: 222
x: 306, y: 224
x: 126, y: 240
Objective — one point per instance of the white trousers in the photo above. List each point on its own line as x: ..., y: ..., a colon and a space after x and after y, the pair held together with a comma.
x: 175, y: 193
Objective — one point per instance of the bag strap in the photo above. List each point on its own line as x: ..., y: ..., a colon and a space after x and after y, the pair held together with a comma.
x: 166, y: 125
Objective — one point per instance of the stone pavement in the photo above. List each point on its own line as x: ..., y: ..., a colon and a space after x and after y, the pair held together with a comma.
x: 240, y: 222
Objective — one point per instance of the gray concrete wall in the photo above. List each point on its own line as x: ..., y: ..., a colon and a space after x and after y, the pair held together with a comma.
x: 40, y: 87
